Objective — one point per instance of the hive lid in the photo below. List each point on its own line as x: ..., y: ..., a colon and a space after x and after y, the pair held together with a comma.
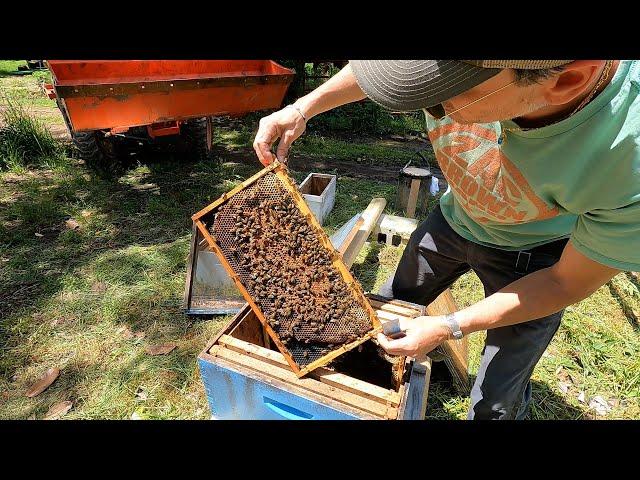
x: 416, y: 172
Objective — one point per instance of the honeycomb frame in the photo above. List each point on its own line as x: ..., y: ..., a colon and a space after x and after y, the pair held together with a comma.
x: 208, y: 218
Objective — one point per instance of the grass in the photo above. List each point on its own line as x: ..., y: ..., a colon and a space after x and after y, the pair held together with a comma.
x: 9, y: 67
x: 89, y: 300
x: 26, y: 141
x: 367, y: 150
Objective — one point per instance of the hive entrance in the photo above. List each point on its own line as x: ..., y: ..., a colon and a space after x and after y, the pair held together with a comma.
x: 280, y: 259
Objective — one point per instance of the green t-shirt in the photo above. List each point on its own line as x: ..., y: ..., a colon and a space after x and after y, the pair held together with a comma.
x: 578, y: 178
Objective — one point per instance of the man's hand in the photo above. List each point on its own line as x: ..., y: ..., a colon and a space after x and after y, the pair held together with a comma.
x: 422, y: 334
x: 287, y: 125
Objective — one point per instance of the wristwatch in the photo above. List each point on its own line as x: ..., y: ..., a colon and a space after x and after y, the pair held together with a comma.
x: 452, y: 324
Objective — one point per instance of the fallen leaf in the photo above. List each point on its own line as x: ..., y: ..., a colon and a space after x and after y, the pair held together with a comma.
x: 600, y: 405
x: 58, y: 410
x: 564, y: 386
x: 39, y: 235
x: 581, y: 397
x: 72, y: 224
x: 86, y: 213
x: 45, y: 381
x: 161, y: 349
x: 126, y: 331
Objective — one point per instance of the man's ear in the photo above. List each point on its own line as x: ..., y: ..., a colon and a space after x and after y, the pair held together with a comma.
x: 575, y: 79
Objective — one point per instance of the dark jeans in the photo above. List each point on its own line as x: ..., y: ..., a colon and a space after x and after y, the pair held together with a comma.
x: 433, y: 259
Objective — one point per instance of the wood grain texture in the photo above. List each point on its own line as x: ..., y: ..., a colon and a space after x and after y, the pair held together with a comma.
x: 323, y: 375
x: 293, y: 390
x: 415, y: 405
x: 456, y: 351
x: 413, y: 198
x: 307, y: 383
x: 369, y: 219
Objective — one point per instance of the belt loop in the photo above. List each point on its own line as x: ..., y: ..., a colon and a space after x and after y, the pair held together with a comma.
x: 522, y: 263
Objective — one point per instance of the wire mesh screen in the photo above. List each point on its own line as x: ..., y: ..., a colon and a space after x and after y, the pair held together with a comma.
x: 278, y: 256
x: 210, y: 290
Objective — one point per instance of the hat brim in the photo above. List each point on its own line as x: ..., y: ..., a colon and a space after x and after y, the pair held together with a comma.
x: 406, y: 85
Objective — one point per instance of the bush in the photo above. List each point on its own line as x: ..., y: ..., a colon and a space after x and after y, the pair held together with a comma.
x: 25, y: 140
x: 368, y: 118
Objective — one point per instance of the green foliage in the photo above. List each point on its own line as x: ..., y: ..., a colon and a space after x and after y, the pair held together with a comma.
x: 25, y: 140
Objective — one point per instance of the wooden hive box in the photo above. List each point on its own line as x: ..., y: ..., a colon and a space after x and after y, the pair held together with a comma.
x: 246, y: 377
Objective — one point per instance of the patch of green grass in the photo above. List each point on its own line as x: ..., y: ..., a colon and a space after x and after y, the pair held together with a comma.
x: 27, y: 88
x: 25, y: 140
x: 370, y: 153
x: 42, y: 76
x: 8, y: 67
x: 362, y: 154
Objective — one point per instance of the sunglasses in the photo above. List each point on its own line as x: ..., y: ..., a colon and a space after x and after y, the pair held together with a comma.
x: 437, y: 111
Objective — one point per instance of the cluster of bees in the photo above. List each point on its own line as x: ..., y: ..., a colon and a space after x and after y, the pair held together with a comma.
x: 290, y: 275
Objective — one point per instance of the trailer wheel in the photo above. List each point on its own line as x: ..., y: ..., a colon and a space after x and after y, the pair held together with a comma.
x: 98, y: 152
x: 198, y: 136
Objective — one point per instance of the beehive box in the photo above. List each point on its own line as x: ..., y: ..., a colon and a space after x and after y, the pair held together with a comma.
x: 319, y: 191
x: 246, y: 378
x: 287, y: 269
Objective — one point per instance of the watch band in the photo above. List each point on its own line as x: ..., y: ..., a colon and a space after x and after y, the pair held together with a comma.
x: 453, y: 326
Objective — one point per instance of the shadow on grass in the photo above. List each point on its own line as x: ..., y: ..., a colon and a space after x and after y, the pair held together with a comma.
x: 365, y: 272
x: 444, y: 403
x: 630, y: 314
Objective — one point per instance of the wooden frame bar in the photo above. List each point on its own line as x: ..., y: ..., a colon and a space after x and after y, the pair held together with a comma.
x: 280, y: 171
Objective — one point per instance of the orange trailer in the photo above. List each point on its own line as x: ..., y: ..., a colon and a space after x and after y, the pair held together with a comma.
x: 103, y: 99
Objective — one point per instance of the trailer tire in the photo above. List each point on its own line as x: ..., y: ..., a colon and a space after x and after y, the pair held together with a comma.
x: 198, y: 133
x: 99, y: 153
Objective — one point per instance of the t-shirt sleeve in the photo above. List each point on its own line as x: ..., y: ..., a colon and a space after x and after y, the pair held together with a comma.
x: 610, y: 237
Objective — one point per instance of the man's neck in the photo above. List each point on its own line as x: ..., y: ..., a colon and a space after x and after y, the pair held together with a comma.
x: 554, y: 113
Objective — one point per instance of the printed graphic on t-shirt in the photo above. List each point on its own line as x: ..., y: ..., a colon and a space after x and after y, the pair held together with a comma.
x: 483, y: 180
